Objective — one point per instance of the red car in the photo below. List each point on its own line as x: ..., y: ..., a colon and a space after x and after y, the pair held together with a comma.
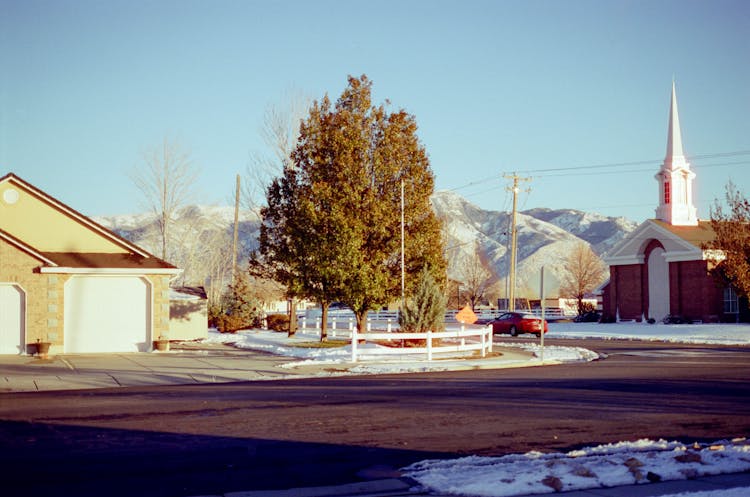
x: 517, y: 323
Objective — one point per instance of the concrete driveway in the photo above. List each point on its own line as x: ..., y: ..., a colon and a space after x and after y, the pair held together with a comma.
x: 185, y: 364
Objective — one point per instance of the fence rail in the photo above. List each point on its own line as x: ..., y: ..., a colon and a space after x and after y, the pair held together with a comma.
x: 483, y: 342
x: 458, y: 338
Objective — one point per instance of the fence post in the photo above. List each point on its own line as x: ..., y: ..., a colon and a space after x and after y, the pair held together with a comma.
x: 333, y: 323
x: 481, y: 334
x: 304, y: 323
x: 388, y: 327
x: 354, y: 344
x: 491, y: 337
x: 429, y: 345
x: 463, y: 339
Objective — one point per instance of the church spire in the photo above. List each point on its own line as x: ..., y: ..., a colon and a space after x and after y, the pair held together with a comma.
x: 674, y: 135
x: 675, y: 177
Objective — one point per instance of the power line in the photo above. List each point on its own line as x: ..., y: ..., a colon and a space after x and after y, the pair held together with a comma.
x: 614, y: 164
x: 636, y: 163
x: 643, y: 170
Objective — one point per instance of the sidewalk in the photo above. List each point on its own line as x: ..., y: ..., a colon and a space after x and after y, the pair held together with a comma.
x: 194, y: 363
x: 396, y: 487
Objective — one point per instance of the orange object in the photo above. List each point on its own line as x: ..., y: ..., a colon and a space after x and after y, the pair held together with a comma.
x: 466, y: 316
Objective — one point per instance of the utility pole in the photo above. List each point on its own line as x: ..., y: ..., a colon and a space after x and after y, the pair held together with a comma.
x: 236, y: 230
x: 513, y: 241
x: 403, y: 271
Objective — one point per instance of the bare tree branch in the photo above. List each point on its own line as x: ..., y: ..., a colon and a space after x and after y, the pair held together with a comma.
x: 166, y: 179
x: 279, y: 130
x: 476, y: 278
x: 585, y: 271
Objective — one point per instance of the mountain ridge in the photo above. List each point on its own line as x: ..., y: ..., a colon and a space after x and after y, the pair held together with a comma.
x: 545, y: 237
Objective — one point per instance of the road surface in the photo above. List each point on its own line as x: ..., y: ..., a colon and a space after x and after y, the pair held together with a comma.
x: 203, y: 439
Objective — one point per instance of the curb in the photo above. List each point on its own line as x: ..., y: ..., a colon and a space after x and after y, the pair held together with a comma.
x: 401, y: 487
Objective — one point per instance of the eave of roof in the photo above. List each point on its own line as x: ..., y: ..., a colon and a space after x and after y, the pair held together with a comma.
x: 24, y: 247
x: 695, y: 235
x: 106, y: 261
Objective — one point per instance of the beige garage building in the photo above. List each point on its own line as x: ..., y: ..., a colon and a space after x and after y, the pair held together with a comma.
x: 66, y: 280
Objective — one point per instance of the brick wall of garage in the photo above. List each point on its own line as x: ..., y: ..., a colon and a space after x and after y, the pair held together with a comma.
x: 44, y: 310
x: 44, y: 297
x: 160, y: 292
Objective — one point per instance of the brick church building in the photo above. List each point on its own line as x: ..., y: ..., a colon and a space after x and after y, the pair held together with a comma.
x: 660, y: 269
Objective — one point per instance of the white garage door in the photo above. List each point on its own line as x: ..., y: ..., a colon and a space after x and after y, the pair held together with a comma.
x: 107, y: 314
x: 12, y: 303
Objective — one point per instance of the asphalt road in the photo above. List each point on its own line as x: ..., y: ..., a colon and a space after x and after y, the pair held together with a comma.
x: 203, y: 439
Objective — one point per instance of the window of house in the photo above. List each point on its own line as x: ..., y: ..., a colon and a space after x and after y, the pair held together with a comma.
x: 730, y: 301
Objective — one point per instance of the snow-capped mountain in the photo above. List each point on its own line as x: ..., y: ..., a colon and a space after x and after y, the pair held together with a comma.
x: 201, y: 235
x: 545, y: 237
x: 601, y: 232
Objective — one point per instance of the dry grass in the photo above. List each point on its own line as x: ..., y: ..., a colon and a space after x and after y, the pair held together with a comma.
x: 329, y: 344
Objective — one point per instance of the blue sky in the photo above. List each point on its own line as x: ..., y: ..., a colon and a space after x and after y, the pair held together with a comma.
x: 496, y: 87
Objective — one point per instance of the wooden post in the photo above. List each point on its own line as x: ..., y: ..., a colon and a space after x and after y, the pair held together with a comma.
x: 541, y: 296
x: 354, y: 344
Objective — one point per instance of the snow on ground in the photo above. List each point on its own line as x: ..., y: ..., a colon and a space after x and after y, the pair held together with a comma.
x: 720, y: 334
x: 280, y: 344
x: 623, y: 463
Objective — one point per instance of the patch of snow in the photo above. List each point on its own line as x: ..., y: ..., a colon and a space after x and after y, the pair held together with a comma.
x: 720, y: 334
x: 555, y: 353
x: 623, y: 463
x: 280, y: 344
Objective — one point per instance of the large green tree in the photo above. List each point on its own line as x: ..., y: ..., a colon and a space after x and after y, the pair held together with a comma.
x: 332, y: 224
x: 732, y: 241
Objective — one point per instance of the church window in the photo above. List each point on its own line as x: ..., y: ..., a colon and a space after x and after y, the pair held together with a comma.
x: 666, y: 192
x: 730, y: 301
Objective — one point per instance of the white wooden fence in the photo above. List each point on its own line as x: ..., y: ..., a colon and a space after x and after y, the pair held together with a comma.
x: 455, y: 342
x: 383, y: 326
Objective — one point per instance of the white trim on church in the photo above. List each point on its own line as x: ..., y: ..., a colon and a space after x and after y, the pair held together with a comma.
x: 675, y: 177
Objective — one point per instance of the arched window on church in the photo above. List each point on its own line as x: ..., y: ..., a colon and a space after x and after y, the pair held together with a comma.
x: 666, y: 192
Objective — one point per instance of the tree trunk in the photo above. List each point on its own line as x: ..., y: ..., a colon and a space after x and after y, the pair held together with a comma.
x: 324, y: 322
x: 361, y: 321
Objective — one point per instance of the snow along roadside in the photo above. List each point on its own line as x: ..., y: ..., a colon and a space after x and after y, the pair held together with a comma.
x: 623, y: 463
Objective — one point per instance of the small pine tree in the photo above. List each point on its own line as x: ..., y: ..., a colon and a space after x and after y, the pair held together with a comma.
x: 426, y: 309
x: 241, y: 308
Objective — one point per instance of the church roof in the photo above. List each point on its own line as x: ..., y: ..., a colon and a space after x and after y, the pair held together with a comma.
x: 680, y: 243
x: 696, y: 235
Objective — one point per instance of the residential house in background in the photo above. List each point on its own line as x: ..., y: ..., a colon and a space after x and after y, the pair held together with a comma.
x: 66, y: 280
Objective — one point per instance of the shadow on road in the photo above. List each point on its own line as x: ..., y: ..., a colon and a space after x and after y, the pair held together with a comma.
x: 41, y: 459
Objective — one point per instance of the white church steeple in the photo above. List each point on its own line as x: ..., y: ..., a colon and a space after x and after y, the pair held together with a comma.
x: 675, y: 177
